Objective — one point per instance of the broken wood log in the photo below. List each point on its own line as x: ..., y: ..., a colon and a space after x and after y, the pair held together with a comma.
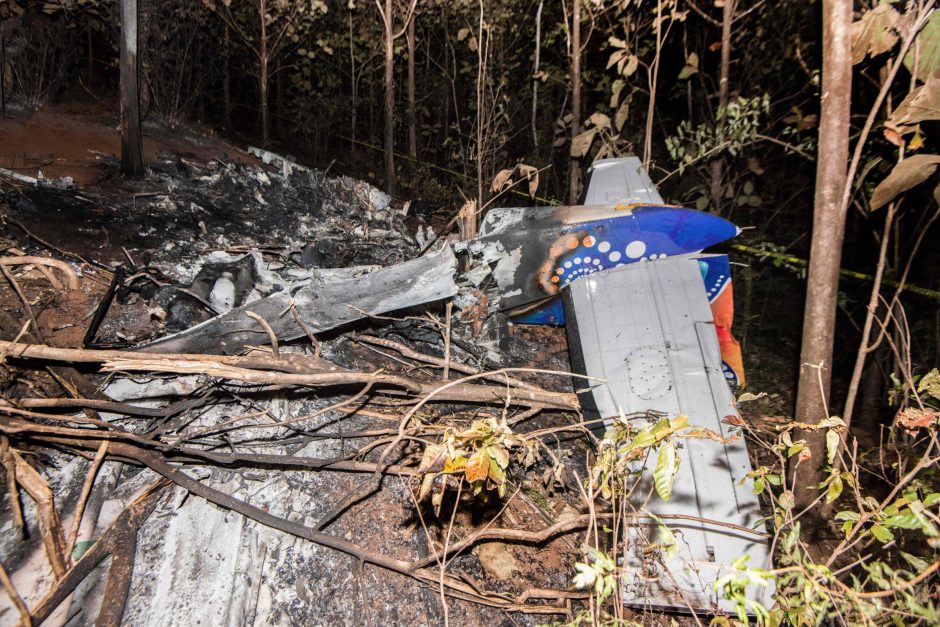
x: 117, y: 535
x: 296, y: 370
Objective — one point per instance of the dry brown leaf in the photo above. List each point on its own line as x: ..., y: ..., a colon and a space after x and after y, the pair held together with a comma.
x: 908, y: 174
x: 921, y: 104
x: 581, y: 143
x: 496, y: 560
x: 502, y: 180
x: 875, y: 33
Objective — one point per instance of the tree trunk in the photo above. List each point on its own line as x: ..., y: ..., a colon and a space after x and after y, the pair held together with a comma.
x: 354, y: 86
x: 3, y: 78
x: 226, y: 80
x: 535, y: 72
x: 389, y: 101
x: 574, y: 166
x: 717, y: 166
x: 90, y: 68
x: 263, y: 74
x: 826, y: 249
x: 280, y: 89
x: 132, y: 157
x: 412, y: 114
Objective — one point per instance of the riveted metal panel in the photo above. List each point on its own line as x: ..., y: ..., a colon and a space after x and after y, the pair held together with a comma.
x: 647, y: 331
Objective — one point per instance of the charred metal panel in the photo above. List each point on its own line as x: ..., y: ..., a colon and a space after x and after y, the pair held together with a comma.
x: 647, y: 331
x: 321, y: 305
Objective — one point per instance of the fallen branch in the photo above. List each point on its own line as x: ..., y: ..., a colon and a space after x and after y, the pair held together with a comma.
x: 91, y: 439
x: 118, y: 534
x: 49, y: 524
x: 25, y: 618
x: 63, y: 267
x: 293, y: 369
x: 155, y: 463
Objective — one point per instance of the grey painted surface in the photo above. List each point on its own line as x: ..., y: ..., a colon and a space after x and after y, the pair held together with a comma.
x: 647, y: 330
x: 621, y: 180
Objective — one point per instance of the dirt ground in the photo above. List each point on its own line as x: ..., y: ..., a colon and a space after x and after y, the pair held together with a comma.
x: 69, y: 139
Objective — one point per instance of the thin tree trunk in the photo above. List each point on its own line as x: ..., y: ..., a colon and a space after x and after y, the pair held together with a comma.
x: 481, y: 117
x: 3, y: 78
x: 412, y: 114
x: 864, y: 349
x: 354, y: 85
x: 132, y: 158
x: 872, y: 400
x: 389, y: 101
x: 653, y: 81
x: 371, y: 101
x: 226, y: 79
x: 826, y: 248
x: 717, y: 166
x: 263, y: 77
x: 574, y: 167
x: 90, y: 44
x: 279, y: 91
x: 535, y: 73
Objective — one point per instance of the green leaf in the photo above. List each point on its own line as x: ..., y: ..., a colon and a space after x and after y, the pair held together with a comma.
x: 834, y: 489
x: 902, y: 521
x: 686, y: 72
x: 615, y: 90
x: 668, y: 539
x: 881, y: 533
x: 848, y: 515
x: 499, y: 454
x: 932, y: 499
x: 918, y: 564
x: 925, y: 51
x: 80, y: 547
x: 759, y: 485
x: 786, y: 500
x: 643, y: 439
x: 832, y: 445
x: 666, y: 466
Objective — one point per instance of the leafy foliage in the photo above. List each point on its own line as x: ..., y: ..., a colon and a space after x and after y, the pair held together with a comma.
x: 480, y: 455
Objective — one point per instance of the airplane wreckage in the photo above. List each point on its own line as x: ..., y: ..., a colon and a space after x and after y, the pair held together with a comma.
x: 648, y: 317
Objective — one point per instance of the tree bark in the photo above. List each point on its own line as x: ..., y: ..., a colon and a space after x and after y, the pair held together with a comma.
x: 132, y: 157
x: 574, y: 166
x: 717, y: 166
x: 535, y: 72
x: 90, y: 67
x: 263, y: 74
x: 389, y: 101
x: 412, y: 114
x: 354, y: 86
x: 226, y: 80
x: 826, y: 248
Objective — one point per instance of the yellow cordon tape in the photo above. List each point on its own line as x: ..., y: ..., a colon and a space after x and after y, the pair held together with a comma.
x: 765, y: 254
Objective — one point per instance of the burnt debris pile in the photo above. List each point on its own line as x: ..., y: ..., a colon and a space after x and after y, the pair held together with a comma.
x: 224, y: 387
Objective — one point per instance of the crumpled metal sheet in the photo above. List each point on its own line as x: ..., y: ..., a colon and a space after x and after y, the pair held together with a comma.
x: 647, y: 331
x: 321, y: 305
